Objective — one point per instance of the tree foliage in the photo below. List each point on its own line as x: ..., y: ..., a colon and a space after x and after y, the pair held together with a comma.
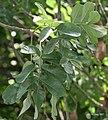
x: 55, y: 59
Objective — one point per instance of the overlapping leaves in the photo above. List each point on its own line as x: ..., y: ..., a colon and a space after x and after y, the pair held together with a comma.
x: 54, y: 66
x: 86, y: 18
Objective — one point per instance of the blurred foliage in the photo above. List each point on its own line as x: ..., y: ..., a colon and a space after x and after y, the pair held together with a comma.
x: 23, y: 14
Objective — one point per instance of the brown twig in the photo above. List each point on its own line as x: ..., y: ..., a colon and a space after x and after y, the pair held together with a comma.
x: 16, y: 52
x: 28, y: 31
x: 23, y: 10
x: 89, y: 98
x: 91, y: 78
x: 59, y: 10
x: 67, y: 112
x: 103, y: 11
x: 95, y: 83
x: 71, y: 3
x: 73, y: 99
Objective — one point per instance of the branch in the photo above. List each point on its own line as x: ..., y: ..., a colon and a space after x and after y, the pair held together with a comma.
x: 29, y: 15
x: 16, y: 52
x: 103, y: 11
x: 95, y: 83
x: 71, y: 3
x: 23, y: 10
x: 59, y: 10
x: 91, y: 100
x: 28, y: 31
x: 90, y: 77
x: 73, y: 99
x: 67, y: 112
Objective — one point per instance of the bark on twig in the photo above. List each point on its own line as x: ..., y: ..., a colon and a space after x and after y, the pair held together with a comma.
x: 89, y: 98
x: 28, y: 31
x: 67, y: 112
x: 71, y: 3
x: 59, y: 10
x: 103, y: 11
x: 16, y: 53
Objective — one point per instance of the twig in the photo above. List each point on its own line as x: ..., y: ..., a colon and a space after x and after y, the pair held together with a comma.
x: 16, y: 52
x: 90, y: 99
x: 71, y: 3
x: 103, y: 11
x: 73, y: 100
x: 95, y: 83
x: 29, y: 15
x: 61, y: 114
x: 28, y: 31
x: 59, y: 10
x: 44, y: 111
x: 67, y: 112
x: 91, y: 78
x: 23, y: 10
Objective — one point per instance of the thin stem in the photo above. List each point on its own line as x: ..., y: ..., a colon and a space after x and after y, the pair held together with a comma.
x: 95, y: 83
x: 71, y: 3
x: 103, y: 11
x: 45, y: 113
x: 23, y: 10
x: 90, y: 99
x: 28, y: 31
x: 31, y: 44
x: 91, y: 78
x: 59, y: 10
x: 16, y: 52
x: 67, y: 112
x: 40, y: 60
x: 73, y: 99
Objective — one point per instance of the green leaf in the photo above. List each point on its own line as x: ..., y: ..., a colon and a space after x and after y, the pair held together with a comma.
x: 50, y: 46
x: 26, y: 64
x: 85, y: 59
x: 10, y: 93
x: 38, y: 97
x: 95, y: 31
x: 65, y: 37
x: 53, y: 57
x: 69, y: 29
x: 49, y: 22
x: 14, y: 92
x: 31, y: 49
x: 45, y: 16
x: 105, y: 61
x: 53, y: 109
x: 82, y: 39
x: 91, y: 47
x: 52, y: 23
x: 56, y: 71
x: 24, y: 86
x: 77, y: 13
x: 87, y: 8
x: 36, y: 113
x: 68, y: 68
x: 94, y: 17
x: 63, y: 60
x: 45, y: 33
x: 26, y: 104
x: 64, y: 50
x: 25, y: 73
x: 51, y: 3
x: 54, y: 86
